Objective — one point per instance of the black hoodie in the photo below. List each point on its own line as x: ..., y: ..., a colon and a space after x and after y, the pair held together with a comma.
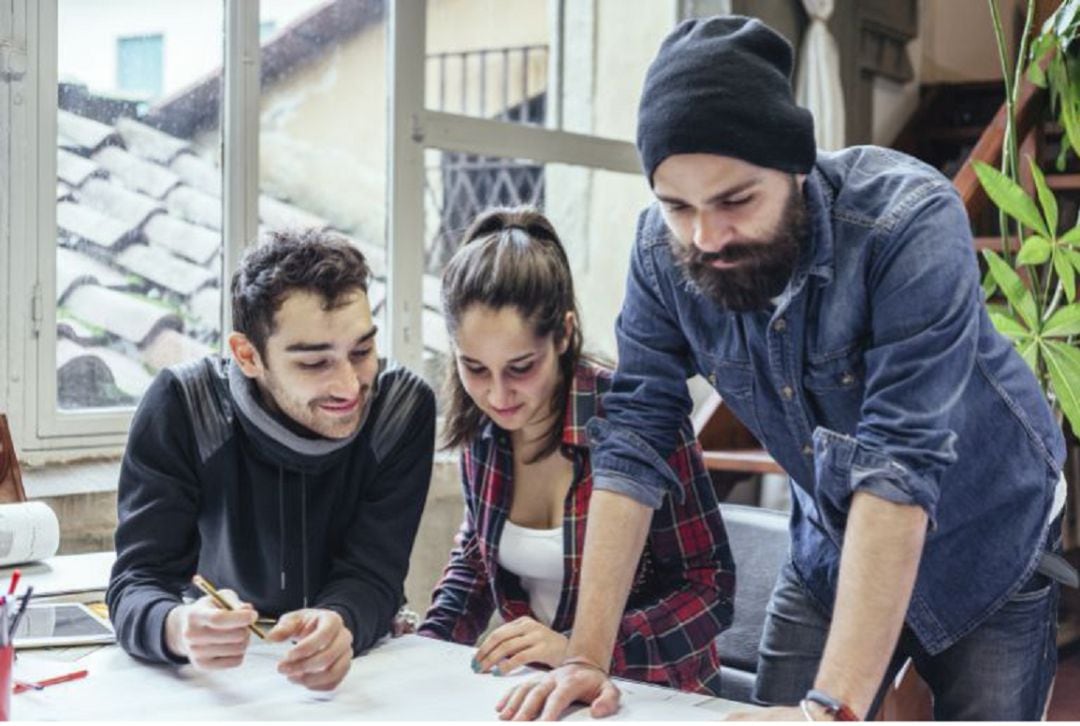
x: 212, y: 483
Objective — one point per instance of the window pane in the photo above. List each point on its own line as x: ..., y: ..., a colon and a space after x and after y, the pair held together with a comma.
x: 488, y: 58
x: 138, y: 194
x: 322, y: 135
x: 604, y: 65
x: 594, y: 212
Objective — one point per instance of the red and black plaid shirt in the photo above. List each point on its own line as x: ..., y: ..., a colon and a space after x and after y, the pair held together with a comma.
x: 682, y: 595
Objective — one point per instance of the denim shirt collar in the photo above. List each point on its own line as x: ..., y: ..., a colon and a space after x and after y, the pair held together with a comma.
x: 816, y: 250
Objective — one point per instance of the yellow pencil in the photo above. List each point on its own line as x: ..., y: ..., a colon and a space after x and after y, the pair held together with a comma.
x: 204, y: 585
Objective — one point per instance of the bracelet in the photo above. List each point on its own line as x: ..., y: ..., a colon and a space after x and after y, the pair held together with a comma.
x: 806, y: 710
x: 837, y: 709
x: 583, y: 661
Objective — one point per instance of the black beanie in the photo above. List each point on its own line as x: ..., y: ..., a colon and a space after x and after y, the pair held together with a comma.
x: 722, y: 86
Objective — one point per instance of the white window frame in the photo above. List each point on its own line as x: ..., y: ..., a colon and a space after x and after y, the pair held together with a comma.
x: 412, y: 129
x: 28, y: 212
x: 42, y: 431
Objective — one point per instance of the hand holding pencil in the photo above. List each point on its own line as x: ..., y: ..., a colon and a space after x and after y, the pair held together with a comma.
x: 213, y: 632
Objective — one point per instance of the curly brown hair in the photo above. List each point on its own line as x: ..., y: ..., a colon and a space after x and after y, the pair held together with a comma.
x: 311, y: 260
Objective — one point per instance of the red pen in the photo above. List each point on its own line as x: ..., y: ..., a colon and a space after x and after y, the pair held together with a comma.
x: 37, y: 685
x: 14, y: 581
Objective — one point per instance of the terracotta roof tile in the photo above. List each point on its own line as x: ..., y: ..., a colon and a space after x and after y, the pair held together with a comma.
x: 82, y: 222
x: 84, y: 374
x: 149, y: 143
x: 195, y: 206
x: 129, y: 317
x: 82, y: 132
x: 74, y: 169
x: 164, y: 269
x: 114, y: 200
x: 74, y: 269
x: 198, y: 172
x: 191, y: 242
x: 135, y: 173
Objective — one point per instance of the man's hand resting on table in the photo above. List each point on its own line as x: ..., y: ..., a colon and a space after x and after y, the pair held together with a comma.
x: 323, y: 651
x: 547, y: 696
x: 209, y: 636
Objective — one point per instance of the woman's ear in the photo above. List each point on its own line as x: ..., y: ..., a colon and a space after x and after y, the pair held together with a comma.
x: 569, y: 324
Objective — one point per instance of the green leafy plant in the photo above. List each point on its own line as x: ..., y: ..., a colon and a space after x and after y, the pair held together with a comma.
x: 1040, y: 314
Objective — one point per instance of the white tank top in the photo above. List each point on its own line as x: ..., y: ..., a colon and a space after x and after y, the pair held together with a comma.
x: 536, y: 557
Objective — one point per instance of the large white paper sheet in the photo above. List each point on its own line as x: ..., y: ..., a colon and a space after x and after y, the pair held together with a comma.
x: 409, y: 678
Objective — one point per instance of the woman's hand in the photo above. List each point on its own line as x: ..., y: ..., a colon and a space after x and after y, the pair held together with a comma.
x: 516, y: 643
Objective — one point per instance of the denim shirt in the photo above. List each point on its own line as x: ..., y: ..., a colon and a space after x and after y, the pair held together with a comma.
x: 878, y: 370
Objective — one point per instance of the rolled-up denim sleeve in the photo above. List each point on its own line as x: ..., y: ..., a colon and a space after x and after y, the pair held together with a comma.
x: 648, y: 400
x: 926, y: 310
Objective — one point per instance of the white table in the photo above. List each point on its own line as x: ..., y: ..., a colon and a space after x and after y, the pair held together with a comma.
x: 408, y: 678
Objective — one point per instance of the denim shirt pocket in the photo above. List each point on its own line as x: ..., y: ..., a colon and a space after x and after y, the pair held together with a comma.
x: 835, y: 386
x: 734, y: 381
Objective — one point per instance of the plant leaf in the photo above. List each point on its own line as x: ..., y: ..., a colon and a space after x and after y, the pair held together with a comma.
x: 989, y: 285
x: 1072, y: 237
x: 1046, y: 198
x: 1009, y: 326
x: 1063, y: 323
x: 1035, y: 74
x: 1010, y: 197
x: 1035, y: 251
x: 1029, y: 351
x: 1063, y: 364
x: 1069, y: 121
x: 1013, y: 288
x: 1067, y: 273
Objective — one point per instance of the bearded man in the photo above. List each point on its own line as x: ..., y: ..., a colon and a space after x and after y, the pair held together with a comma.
x: 833, y: 300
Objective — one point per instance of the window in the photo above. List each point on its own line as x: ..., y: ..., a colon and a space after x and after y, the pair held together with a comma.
x: 136, y: 184
x: 139, y: 65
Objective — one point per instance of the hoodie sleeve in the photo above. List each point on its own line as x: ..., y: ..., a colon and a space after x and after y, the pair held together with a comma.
x: 157, y: 540
x: 366, y: 581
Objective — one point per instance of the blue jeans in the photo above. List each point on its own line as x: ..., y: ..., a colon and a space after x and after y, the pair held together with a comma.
x: 1001, y: 671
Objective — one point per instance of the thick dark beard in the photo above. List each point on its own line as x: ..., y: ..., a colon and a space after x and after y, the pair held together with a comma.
x: 766, y: 264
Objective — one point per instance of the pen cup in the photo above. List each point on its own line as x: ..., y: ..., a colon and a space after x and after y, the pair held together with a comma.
x: 7, y: 658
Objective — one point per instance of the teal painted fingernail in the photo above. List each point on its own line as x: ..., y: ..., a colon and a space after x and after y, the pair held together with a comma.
x: 495, y: 671
x: 475, y: 665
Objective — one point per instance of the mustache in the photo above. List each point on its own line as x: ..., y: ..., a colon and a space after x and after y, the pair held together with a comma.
x: 730, y: 253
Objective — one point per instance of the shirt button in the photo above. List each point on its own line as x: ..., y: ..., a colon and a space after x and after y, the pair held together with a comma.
x: 807, y: 450
x: 780, y: 325
x: 787, y: 392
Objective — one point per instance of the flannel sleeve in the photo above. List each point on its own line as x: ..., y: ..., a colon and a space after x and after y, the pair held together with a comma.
x: 462, y: 603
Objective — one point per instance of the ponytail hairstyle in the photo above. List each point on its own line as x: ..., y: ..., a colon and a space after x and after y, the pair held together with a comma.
x: 511, y: 257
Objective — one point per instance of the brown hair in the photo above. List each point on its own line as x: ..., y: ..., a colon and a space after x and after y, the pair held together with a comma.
x: 511, y: 257
x: 285, y: 261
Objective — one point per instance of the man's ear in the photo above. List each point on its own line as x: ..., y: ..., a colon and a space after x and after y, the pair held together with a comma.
x: 245, y: 354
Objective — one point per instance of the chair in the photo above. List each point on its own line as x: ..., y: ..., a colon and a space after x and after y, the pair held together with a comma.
x: 759, y: 544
